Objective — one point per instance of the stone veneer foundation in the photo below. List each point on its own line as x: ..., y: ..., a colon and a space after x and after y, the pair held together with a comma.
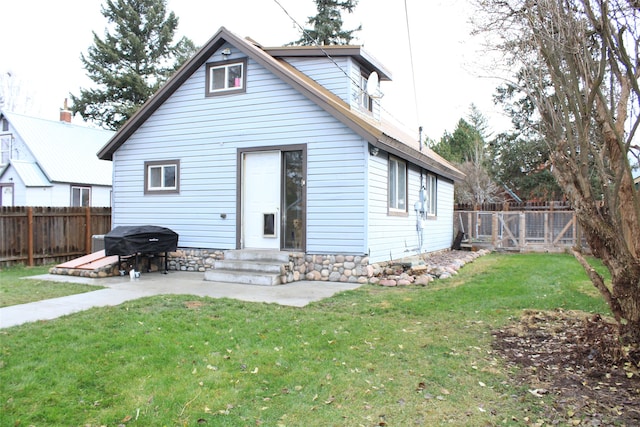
x: 328, y: 268
x: 194, y: 259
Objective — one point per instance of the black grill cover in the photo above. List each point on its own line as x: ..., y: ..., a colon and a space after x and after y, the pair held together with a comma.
x: 147, y: 239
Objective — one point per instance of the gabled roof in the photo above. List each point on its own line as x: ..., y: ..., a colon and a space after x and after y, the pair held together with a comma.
x: 29, y: 172
x: 64, y: 152
x: 382, y: 136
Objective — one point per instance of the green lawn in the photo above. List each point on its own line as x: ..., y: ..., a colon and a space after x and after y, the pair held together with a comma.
x: 16, y: 290
x: 374, y: 356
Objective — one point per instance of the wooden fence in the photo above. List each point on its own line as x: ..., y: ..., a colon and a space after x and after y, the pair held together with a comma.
x: 534, y: 230
x: 41, y: 235
x: 561, y: 205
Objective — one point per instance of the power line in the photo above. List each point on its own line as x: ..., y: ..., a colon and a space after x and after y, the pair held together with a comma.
x: 357, y: 83
x: 312, y: 40
x: 413, y: 71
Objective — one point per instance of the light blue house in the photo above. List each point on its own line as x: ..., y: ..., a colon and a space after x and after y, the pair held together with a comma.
x: 54, y: 164
x: 249, y: 147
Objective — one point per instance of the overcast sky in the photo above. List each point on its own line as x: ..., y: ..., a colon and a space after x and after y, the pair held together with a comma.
x: 43, y: 40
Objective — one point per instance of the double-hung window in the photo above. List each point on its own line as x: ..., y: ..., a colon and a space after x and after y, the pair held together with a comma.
x: 226, y: 77
x: 432, y: 194
x: 80, y: 196
x: 5, y: 149
x: 397, y: 185
x: 365, y: 100
x: 162, y: 177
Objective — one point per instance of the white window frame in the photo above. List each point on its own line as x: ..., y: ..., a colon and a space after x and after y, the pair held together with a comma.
x: 82, y: 191
x: 397, y: 180
x: 431, y: 186
x: 6, y: 142
x: 365, y: 100
x: 226, y: 65
x: 163, y: 166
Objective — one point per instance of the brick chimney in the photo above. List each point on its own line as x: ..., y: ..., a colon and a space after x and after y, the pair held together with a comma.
x: 65, y: 113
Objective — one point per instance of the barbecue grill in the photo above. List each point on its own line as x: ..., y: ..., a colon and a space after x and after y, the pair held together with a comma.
x: 146, y: 241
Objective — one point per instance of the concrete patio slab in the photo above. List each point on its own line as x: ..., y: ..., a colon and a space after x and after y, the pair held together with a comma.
x: 121, y: 289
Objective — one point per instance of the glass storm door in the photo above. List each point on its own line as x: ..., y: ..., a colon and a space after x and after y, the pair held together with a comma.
x: 293, y: 213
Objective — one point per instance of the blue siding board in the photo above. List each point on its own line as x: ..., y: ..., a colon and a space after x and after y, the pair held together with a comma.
x: 403, y: 240
x: 205, y: 133
x: 346, y: 188
x: 333, y: 76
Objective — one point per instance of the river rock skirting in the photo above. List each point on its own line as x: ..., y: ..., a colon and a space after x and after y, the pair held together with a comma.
x: 332, y: 268
x: 418, y: 270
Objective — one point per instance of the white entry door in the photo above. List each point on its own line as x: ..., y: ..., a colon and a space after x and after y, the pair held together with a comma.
x: 261, y: 200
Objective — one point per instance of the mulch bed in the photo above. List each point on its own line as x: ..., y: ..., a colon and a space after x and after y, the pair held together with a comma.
x: 574, y: 358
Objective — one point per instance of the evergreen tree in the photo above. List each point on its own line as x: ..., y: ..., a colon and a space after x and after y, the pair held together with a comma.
x: 523, y: 165
x: 467, y: 149
x: 461, y: 145
x: 135, y: 57
x: 521, y: 158
x: 327, y: 24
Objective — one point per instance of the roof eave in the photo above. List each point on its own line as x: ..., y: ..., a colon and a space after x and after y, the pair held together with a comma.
x: 397, y: 148
x: 354, y: 51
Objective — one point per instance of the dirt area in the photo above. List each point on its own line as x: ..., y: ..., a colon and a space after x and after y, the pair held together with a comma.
x: 574, y: 358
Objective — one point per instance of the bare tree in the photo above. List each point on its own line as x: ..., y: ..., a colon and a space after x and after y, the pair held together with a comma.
x: 580, y: 65
x: 13, y: 96
x: 477, y: 187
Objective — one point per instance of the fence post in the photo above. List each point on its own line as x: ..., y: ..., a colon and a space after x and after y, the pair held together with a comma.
x: 87, y: 230
x: 523, y: 231
x: 547, y: 237
x: 30, y: 236
x: 494, y: 229
x: 577, y: 232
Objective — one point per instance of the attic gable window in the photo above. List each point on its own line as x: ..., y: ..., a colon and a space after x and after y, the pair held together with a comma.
x: 225, y: 78
x: 365, y: 100
x: 162, y: 177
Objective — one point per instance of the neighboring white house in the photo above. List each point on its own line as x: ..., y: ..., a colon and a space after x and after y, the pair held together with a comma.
x: 49, y: 163
x: 280, y: 148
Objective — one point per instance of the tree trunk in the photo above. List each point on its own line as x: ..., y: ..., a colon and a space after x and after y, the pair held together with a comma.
x: 623, y: 296
x: 625, y: 285
x: 580, y: 70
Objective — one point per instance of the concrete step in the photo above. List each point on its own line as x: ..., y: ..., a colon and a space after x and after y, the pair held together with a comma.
x: 257, y: 255
x: 247, y: 265
x: 244, y: 277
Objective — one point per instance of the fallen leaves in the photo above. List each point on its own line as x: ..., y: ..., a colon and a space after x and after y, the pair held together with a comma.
x: 571, y: 362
